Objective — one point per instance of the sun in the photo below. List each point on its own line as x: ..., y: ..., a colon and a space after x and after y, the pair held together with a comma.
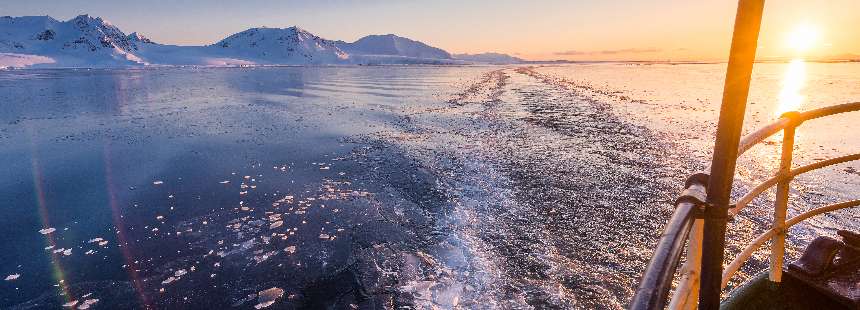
x: 802, y: 38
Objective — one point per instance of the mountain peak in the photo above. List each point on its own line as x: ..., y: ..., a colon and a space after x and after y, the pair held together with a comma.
x: 87, y: 40
x: 87, y: 19
x: 136, y: 37
x: 394, y: 45
x: 290, y: 45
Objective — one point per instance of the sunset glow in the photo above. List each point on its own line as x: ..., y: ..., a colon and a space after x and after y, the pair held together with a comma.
x: 802, y: 38
x: 551, y: 29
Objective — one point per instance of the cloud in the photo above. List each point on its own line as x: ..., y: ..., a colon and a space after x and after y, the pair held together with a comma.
x: 610, y: 52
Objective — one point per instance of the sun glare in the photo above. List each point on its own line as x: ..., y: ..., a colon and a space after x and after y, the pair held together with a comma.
x: 791, y: 95
x: 803, y: 38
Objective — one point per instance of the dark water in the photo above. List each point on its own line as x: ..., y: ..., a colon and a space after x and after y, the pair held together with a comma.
x: 326, y: 187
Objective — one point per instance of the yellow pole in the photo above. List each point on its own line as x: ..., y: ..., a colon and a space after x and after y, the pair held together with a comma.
x: 732, y: 110
x: 780, y: 207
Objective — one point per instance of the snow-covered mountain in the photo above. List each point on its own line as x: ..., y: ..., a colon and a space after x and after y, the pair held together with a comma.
x: 85, y: 41
x: 392, y: 45
x: 291, y: 45
x: 80, y: 41
x: 489, y: 58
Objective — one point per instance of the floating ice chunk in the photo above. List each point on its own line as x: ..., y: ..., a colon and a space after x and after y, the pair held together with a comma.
x: 180, y: 272
x: 268, y: 297
x: 97, y: 239
x: 276, y: 224
x: 67, y: 252
x: 157, y: 182
x: 47, y: 230
x: 291, y: 249
x: 90, y: 252
x: 87, y: 303
x: 324, y: 236
x: 103, y: 243
x: 70, y: 304
x: 169, y: 280
x: 12, y: 277
x: 49, y: 247
x: 160, y: 217
x: 224, y: 182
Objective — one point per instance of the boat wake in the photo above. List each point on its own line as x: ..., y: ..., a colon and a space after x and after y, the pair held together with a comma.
x: 552, y: 200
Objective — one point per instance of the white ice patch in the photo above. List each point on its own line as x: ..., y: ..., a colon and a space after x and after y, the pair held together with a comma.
x: 87, y: 303
x: 276, y: 224
x: 47, y: 230
x: 12, y: 277
x: 268, y: 297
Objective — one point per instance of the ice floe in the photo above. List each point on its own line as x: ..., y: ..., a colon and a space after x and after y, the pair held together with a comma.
x: 268, y: 297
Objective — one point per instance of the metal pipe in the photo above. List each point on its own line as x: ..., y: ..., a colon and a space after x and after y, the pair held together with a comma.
x: 657, y: 280
x: 746, y: 199
x: 762, y: 133
x: 686, y: 295
x: 750, y: 249
x: 768, y: 130
x: 735, y: 92
x: 780, y: 205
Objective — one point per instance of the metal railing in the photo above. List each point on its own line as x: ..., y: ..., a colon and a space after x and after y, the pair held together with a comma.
x: 686, y: 224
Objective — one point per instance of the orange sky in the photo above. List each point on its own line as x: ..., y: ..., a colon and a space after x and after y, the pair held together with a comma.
x: 540, y: 29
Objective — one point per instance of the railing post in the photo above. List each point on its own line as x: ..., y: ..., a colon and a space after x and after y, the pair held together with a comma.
x: 780, y: 207
x: 687, y: 293
x: 732, y: 110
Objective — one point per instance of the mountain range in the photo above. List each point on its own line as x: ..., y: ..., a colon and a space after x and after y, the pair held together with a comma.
x: 85, y: 41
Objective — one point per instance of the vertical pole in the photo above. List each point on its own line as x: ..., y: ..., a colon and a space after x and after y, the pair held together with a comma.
x: 780, y: 207
x: 735, y: 91
x: 687, y: 293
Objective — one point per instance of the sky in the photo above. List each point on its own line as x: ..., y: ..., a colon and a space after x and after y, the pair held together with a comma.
x: 537, y: 30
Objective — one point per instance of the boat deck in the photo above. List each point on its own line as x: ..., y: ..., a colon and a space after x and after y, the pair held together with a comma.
x: 827, y: 276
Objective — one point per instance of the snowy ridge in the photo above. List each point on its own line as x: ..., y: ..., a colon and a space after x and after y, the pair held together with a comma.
x: 291, y: 45
x: 85, y: 41
x: 81, y: 41
x: 489, y: 58
x: 392, y: 45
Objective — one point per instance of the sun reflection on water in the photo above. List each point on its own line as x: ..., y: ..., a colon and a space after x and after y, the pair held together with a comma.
x: 791, y: 95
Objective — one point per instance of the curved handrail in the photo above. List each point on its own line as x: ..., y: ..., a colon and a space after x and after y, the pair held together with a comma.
x: 654, y: 288
x: 756, y: 137
x: 752, y: 247
x: 743, y: 201
x: 750, y: 140
x: 656, y: 282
